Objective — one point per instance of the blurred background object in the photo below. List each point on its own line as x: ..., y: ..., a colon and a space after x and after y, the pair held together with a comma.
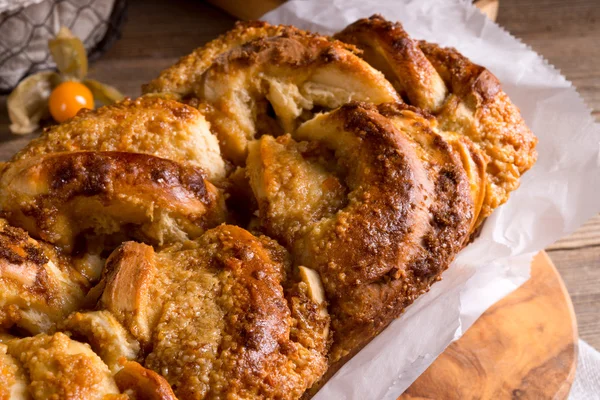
x: 252, y: 9
x: 27, y: 25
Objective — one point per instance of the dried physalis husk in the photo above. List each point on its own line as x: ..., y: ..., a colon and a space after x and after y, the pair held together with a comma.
x: 68, y: 52
x: 105, y: 94
x: 28, y: 103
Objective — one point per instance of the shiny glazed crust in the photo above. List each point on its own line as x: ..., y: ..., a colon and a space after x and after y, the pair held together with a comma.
x: 59, y: 196
x: 481, y: 111
x: 408, y: 212
x: 39, y: 287
x: 151, y: 125
x: 464, y: 97
x: 360, y: 166
x: 236, y: 79
x: 256, y: 330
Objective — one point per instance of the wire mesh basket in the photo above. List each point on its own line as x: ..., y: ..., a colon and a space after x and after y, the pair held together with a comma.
x: 27, y: 25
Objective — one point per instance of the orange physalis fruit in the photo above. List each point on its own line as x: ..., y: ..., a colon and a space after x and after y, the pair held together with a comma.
x: 68, y: 98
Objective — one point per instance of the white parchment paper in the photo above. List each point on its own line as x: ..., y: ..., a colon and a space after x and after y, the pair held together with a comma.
x: 556, y: 196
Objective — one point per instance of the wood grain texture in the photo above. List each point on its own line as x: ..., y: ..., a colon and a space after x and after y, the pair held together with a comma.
x: 529, y: 338
x: 587, y: 236
x: 580, y: 269
x: 567, y: 33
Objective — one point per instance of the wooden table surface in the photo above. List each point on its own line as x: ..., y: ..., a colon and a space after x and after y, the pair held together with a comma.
x: 567, y: 33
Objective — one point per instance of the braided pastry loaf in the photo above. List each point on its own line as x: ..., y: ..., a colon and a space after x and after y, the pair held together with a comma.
x: 378, y: 195
x: 273, y: 201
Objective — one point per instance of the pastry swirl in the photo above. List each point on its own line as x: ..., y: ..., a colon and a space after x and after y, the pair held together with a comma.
x: 360, y: 166
x: 465, y: 98
x: 270, y: 79
x: 406, y: 212
x: 59, y: 196
x: 221, y: 316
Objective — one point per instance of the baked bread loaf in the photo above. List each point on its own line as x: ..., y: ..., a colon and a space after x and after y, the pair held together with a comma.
x: 260, y: 78
x: 465, y: 98
x: 222, y: 316
x: 271, y: 204
x: 40, y: 286
x: 149, y: 125
x: 388, y: 218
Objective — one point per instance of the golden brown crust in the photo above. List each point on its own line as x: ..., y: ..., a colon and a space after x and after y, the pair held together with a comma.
x: 466, y: 98
x: 150, y: 125
x: 60, y: 368
x: 224, y: 325
x: 181, y: 78
x: 38, y: 286
x: 143, y: 384
x: 305, y: 192
x: 408, y: 213
x: 429, y: 143
x: 106, y: 336
x: 271, y: 78
x: 481, y: 111
x: 387, y: 47
x: 59, y: 196
x: 13, y: 382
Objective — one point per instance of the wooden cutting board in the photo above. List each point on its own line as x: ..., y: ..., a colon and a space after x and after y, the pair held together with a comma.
x: 523, y: 347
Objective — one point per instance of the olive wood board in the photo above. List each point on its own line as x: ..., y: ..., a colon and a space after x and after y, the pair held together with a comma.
x: 523, y: 347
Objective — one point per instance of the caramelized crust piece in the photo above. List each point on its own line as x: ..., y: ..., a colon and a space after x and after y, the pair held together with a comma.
x: 481, y: 111
x: 151, y: 125
x: 389, y: 49
x: 407, y: 214
x: 13, y: 382
x: 131, y: 287
x: 222, y: 320
x: 57, y: 367
x: 143, y: 384
x: 59, y: 196
x: 38, y: 287
x: 294, y: 183
x: 183, y: 76
x: 107, y: 337
x: 273, y: 82
x: 466, y: 99
x: 430, y: 141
